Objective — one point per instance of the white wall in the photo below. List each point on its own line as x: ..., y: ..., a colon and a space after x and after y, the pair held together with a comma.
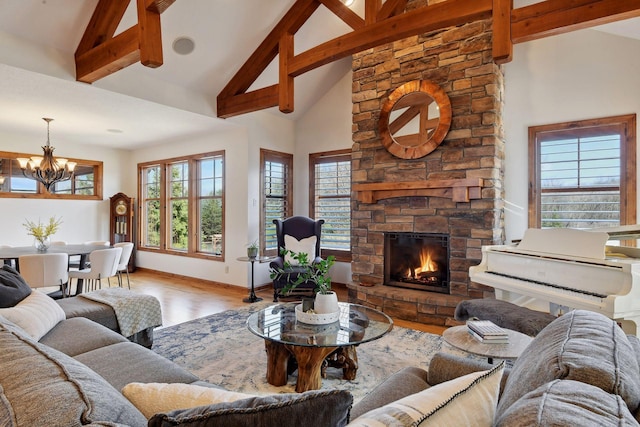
x: 272, y: 132
x: 580, y: 75
x: 83, y: 220
x: 325, y: 127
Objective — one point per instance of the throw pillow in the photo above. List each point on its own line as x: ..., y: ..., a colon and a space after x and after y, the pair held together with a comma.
x: 153, y: 398
x: 306, y: 245
x: 13, y: 288
x: 469, y: 400
x: 37, y: 314
x: 318, y: 408
x: 567, y: 403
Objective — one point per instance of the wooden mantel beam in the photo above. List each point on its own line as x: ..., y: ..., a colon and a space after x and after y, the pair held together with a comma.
x: 458, y: 190
x: 100, y: 54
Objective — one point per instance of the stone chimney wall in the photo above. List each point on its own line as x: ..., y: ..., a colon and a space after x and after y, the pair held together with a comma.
x: 459, y: 60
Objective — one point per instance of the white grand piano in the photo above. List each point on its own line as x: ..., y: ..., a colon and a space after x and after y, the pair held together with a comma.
x: 557, y: 270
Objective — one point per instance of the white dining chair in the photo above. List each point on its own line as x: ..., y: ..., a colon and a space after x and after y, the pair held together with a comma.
x: 104, y: 264
x: 123, y: 266
x: 46, y: 271
x: 97, y: 243
x: 74, y: 264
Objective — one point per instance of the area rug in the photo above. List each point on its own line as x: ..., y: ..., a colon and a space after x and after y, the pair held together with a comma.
x: 221, y: 350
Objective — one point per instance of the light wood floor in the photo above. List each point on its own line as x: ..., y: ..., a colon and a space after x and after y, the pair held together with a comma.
x: 183, y: 299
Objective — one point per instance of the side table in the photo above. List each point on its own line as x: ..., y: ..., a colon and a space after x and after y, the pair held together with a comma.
x: 252, y: 294
x: 459, y: 337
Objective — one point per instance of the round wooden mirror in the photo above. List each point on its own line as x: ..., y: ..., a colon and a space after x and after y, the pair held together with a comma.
x: 414, y: 119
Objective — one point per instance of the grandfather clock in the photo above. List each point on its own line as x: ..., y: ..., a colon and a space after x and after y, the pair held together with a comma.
x: 123, y: 227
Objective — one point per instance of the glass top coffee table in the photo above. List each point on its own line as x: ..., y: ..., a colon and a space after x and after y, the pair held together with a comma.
x: 310, y: 346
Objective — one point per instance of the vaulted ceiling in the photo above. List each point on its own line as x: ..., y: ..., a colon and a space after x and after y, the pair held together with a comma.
x: 175, y: 99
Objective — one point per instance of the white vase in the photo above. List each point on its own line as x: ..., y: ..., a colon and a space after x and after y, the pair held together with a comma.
x: 326, y: 303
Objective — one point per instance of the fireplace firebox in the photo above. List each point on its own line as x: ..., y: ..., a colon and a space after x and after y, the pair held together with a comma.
x: 417, y: 261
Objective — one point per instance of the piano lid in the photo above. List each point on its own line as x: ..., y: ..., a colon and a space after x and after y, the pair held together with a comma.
x: 565, y: 241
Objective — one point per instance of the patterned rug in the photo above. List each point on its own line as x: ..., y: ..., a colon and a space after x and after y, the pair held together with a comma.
x: 221, y: 350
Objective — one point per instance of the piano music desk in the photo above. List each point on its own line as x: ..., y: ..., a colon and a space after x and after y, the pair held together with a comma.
x: 459, y: 337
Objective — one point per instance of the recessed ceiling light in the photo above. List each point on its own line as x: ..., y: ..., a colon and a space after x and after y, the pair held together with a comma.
x: 347, y: 2
x: 183, y: 45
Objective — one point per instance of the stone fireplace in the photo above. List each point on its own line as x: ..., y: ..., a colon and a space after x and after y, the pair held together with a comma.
x: 467, y: 168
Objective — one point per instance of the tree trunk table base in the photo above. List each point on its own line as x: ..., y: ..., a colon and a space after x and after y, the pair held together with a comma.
x: 345, y: 358
x: 310, y: 349
x: 311, y: 363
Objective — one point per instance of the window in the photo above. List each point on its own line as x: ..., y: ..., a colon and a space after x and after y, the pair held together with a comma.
x: 583, y: 174
x: 181, y: 205
x: 330, y: 199
x: 86, y: 182
x: 276, y: 171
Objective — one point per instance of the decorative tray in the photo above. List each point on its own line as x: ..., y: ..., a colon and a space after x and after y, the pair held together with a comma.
x: 315, y: 318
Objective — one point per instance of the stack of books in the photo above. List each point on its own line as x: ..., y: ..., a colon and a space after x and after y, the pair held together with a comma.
x: 487, y: 332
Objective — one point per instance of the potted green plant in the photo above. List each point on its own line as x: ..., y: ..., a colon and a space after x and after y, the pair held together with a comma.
x: 41, y: 232
x: 252, y: 249
x: 326, y: 300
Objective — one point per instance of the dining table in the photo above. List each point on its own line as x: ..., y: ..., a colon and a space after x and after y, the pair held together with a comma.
x: 13, y: 253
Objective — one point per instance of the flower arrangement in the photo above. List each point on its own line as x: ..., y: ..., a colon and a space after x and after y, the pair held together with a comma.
x: 41, y: 232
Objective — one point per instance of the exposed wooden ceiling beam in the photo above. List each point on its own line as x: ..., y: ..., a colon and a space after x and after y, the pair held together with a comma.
x: 103, y: 24
x: 417, y: 21
x: 391, y: 8
x: 371, y: 9
x: 501, y: 27
x: 552, y: 17
x: 268, y: 49
x: 343, y: 12
x: 99, y: 53
x: 387, y: 22
x: 285, y: 88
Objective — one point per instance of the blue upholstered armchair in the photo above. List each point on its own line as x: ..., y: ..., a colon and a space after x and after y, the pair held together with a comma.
x: 297, y: 234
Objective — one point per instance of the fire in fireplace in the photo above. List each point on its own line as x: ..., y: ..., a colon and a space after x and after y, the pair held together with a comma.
x: 417, y: 261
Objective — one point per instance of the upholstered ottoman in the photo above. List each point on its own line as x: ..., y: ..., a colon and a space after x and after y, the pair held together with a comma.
x: 103, y: 314
x: 504, y: 314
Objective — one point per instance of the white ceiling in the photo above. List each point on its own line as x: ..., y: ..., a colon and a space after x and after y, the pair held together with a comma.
x: 117, y: 111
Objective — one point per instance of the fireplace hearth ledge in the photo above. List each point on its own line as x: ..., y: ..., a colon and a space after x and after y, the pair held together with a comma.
x: 415, y: 305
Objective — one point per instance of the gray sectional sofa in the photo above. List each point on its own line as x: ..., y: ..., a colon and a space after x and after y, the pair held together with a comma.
x: 579, y: 370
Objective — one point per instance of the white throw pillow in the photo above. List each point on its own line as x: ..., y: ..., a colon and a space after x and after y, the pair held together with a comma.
x: 306, y: 245
x: 37, y: 314
x: 154, y: 398
x: 469, y: 400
